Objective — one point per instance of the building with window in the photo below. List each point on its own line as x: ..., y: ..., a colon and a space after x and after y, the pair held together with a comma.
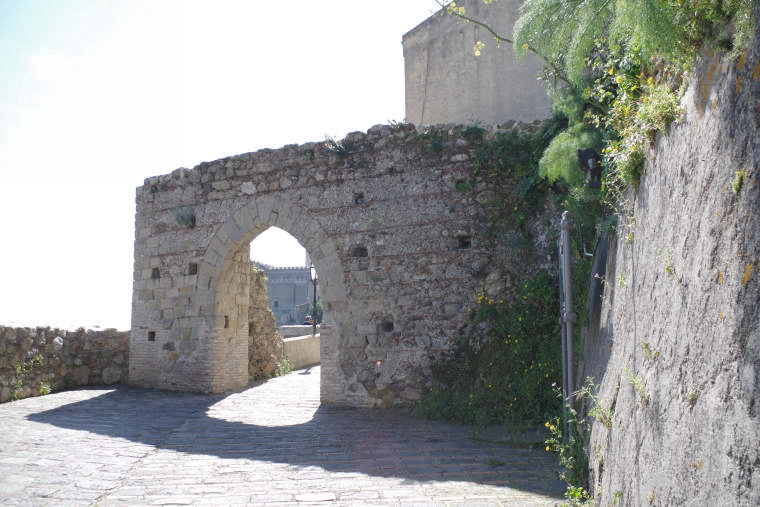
x: 290, y: 292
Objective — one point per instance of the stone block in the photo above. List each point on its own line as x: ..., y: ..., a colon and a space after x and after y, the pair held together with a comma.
x: 80, y: 375
x: 26, y: 344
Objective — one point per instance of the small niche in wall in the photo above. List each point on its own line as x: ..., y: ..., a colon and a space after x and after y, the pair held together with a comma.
x: 226, y: 322
x: 358, y: 251
x: 359, y: 198
x: 151, y: 336
x: 192, y: 269
x: 155, y: 274
x: 465, y: 242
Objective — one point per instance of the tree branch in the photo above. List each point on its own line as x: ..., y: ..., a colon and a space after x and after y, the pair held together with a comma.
x: 460, y: 14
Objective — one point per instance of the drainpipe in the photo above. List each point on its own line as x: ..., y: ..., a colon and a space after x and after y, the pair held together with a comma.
x: 568, y: 317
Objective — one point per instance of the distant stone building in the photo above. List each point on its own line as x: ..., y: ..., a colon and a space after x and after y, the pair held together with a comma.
x: 291, y: 293
x: 446, y: 83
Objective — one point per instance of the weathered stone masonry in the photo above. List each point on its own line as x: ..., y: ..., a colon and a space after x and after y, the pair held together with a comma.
x: 33, y: 358
x: 396, y: 245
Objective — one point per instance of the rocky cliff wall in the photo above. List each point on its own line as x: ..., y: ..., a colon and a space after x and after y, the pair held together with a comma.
x: 678, y: 355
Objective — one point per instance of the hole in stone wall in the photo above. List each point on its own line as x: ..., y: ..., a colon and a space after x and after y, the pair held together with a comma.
x: 386, y: 326
x: 465, y: 242
x: 462, y: 185
x: 358, y: 251
x: 151, y: 336
x: 155, y: 274
x: 359, y: 198
x: 226, y: 322
x: 192, y: 269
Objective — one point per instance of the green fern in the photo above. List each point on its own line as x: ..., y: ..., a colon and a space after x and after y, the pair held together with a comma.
x: 564, y: 31
x: 561, y: 31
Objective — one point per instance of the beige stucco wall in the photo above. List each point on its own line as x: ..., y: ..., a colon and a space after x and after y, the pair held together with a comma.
x: 302, y: 351
x: 446, y: 82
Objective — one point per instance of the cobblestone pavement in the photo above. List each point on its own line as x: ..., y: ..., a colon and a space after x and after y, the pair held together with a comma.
x: 271, y: 444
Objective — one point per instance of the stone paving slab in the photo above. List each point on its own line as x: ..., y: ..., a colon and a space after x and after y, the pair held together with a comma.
x: 272, y: 444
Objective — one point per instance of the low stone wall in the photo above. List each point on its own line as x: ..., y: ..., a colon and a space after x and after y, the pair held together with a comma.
x: 302, y: 351
x: 34, y: 361
x: 293, y: 331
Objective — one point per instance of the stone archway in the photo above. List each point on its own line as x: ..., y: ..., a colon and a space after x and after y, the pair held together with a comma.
x: 390, y: 221
x: 231, y: 275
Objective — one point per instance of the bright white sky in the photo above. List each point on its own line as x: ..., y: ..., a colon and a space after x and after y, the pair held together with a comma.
x: 97, y: 96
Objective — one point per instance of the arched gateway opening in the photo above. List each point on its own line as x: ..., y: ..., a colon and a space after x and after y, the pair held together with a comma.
x: 230, y: 293
x: 208, y: 352
x: 388, y: 223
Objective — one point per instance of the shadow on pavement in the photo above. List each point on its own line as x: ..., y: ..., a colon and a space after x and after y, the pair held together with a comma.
x: 373, y: 442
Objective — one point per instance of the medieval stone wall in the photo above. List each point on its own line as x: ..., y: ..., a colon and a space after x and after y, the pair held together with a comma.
x: 394, y: 235
x: 37, y: 360
x: 291, y: 293
x: 678, y: 356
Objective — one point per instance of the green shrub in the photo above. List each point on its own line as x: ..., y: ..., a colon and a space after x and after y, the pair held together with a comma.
x: 507, y: 376
x: 560, y: 159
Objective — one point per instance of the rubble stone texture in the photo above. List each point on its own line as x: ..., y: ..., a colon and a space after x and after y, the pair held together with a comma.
x: 265, y: 345
x: 394, y: 235
x: 36, y: 360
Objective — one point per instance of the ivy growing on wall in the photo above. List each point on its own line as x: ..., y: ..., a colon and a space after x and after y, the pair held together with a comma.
x: 503, y: 367
x: 502, y: 373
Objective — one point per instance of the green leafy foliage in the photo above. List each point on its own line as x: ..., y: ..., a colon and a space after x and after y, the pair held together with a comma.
x: 283, y: 368
x: 503, y: 367
x: 571, y: 451
x: 508, y: 163
x: 21, y: 370
x: 560, y: 158
x: 559, y: 31
x: 563, y: 32
x: 572, y: 448
x: 654, y: 112
x: 508, y: 377
x: 625, y: 59
x: 184, y: 215
x: 738, y: 181
x: 319, y: 311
